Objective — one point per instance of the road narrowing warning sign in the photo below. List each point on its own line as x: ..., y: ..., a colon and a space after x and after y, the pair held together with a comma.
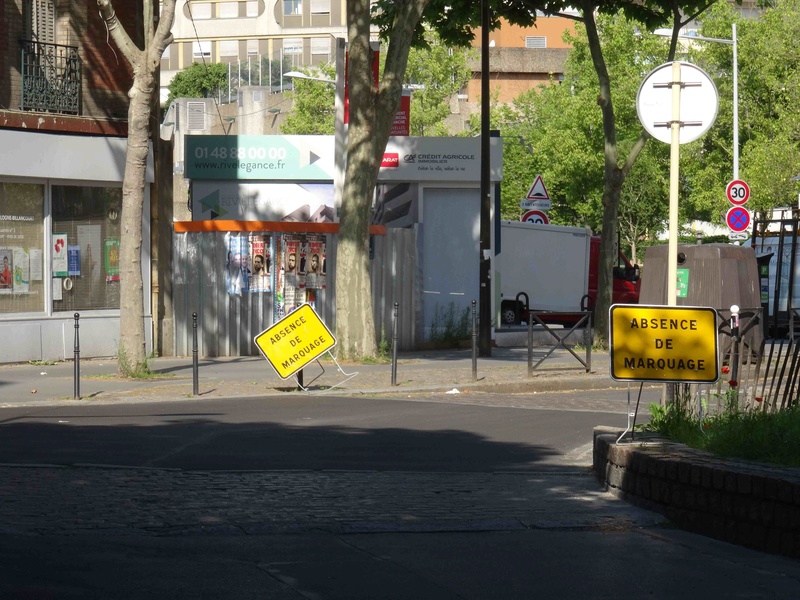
x: 297, y: 339
x: 664, y: 343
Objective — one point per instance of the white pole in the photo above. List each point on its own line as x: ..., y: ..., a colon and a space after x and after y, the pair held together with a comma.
x: 735, y: 107
x: 674, y: 180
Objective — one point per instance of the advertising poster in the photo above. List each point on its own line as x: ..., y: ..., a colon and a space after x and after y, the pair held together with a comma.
x: 315, y: 275
x: 261, y: 263
x: 279, y: 278
x: 6, y: 270
x: 293, y: 277
x: 111, y: 259
x: 236, y: 261
x: 60, y: 264
x: 291, y: 257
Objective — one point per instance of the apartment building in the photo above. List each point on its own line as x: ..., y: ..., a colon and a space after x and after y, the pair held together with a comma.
x: 63, y: 111
x: 522, y: 58
x: 256, y: 37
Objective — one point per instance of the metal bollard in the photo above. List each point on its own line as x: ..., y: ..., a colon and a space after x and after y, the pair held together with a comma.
x: 394, y: 344
x: 77, y: 360
x: 195, y: 366
x: 474, y: 342
x: 530, y: 346
x: 734, y: 381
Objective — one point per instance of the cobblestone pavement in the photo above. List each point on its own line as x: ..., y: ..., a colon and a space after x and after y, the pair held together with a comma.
x: 46, y: 499
x: 164, y: 502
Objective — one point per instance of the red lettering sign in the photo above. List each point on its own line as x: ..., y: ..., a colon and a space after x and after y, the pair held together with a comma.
x: 390, y: 160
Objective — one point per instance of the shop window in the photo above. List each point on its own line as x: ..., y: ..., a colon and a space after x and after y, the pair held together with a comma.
x: 86, y: 239
x: 22, y: 270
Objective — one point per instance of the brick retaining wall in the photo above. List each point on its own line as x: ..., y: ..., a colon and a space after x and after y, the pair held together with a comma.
x: 745, y: 503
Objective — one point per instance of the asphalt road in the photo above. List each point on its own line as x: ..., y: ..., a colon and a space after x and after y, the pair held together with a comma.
x: 310, y: 497
x: 475, y: 432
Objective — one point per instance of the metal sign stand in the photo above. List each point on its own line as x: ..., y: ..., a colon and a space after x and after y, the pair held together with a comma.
x: 306, y: 387
x: 632, y: 415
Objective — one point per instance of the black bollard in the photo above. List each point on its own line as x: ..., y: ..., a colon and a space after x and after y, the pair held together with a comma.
x: 394, y: 345
x: 77, y: 360
x: 474, y: 342
x: 195, y: 367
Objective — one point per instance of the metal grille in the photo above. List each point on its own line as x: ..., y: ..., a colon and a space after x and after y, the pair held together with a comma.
x: 51, y: 78
x: 535, y: 41
x: 196, y: 116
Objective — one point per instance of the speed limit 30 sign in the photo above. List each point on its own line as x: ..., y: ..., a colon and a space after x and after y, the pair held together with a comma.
x: 738, y: 192
x: 535, y: 216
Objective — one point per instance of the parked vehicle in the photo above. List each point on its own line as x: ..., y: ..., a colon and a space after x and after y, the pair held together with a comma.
x: 554, y: 268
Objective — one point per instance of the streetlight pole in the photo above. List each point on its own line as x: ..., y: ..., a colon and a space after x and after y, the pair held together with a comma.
x: 730, y: 42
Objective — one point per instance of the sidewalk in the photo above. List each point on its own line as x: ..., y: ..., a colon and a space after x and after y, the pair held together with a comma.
x: 436, y: 370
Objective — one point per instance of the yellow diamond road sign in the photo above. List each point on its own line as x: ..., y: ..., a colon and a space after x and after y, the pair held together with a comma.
x: 294, y: 341
x: 664, y: 343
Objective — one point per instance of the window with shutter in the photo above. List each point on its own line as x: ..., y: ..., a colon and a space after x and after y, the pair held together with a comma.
x: 229, y: 48
x: 41, y: 21
x: 320, y: 7
x: 228, y: 10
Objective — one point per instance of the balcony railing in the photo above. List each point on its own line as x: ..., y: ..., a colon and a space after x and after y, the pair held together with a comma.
x: 51, y: 78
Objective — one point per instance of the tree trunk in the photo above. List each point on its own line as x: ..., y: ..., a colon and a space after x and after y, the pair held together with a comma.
x: 132, y: 355
x: 371, y: 112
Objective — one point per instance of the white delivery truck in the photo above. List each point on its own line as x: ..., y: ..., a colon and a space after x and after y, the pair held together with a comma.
x: 554, y: 268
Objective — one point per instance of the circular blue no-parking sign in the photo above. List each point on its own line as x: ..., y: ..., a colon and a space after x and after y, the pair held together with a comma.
x: 738, y: 218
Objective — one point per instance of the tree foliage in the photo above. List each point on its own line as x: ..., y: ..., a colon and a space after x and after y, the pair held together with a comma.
x: 437, y: 73
x: 201, y: 80
x: 313, y: 109
x: 556, y: 132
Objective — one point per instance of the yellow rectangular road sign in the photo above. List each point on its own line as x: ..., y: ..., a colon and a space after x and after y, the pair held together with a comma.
x: 664, y: 343
x: 294, y: 341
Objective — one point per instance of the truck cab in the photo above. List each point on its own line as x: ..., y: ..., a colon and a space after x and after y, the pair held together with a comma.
x: 626, y: 283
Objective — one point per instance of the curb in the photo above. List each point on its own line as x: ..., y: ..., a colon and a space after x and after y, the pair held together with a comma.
x: 745, y: 503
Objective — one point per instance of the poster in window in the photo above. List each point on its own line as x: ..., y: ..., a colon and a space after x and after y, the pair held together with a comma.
x: 6, y: 270
x: 261, y: 263
x: 36, y: 263
x: 60, y: 263
x: 89, y: 240
x: 74, y: 260
x: 111, y: 259
x: 21, y: 272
